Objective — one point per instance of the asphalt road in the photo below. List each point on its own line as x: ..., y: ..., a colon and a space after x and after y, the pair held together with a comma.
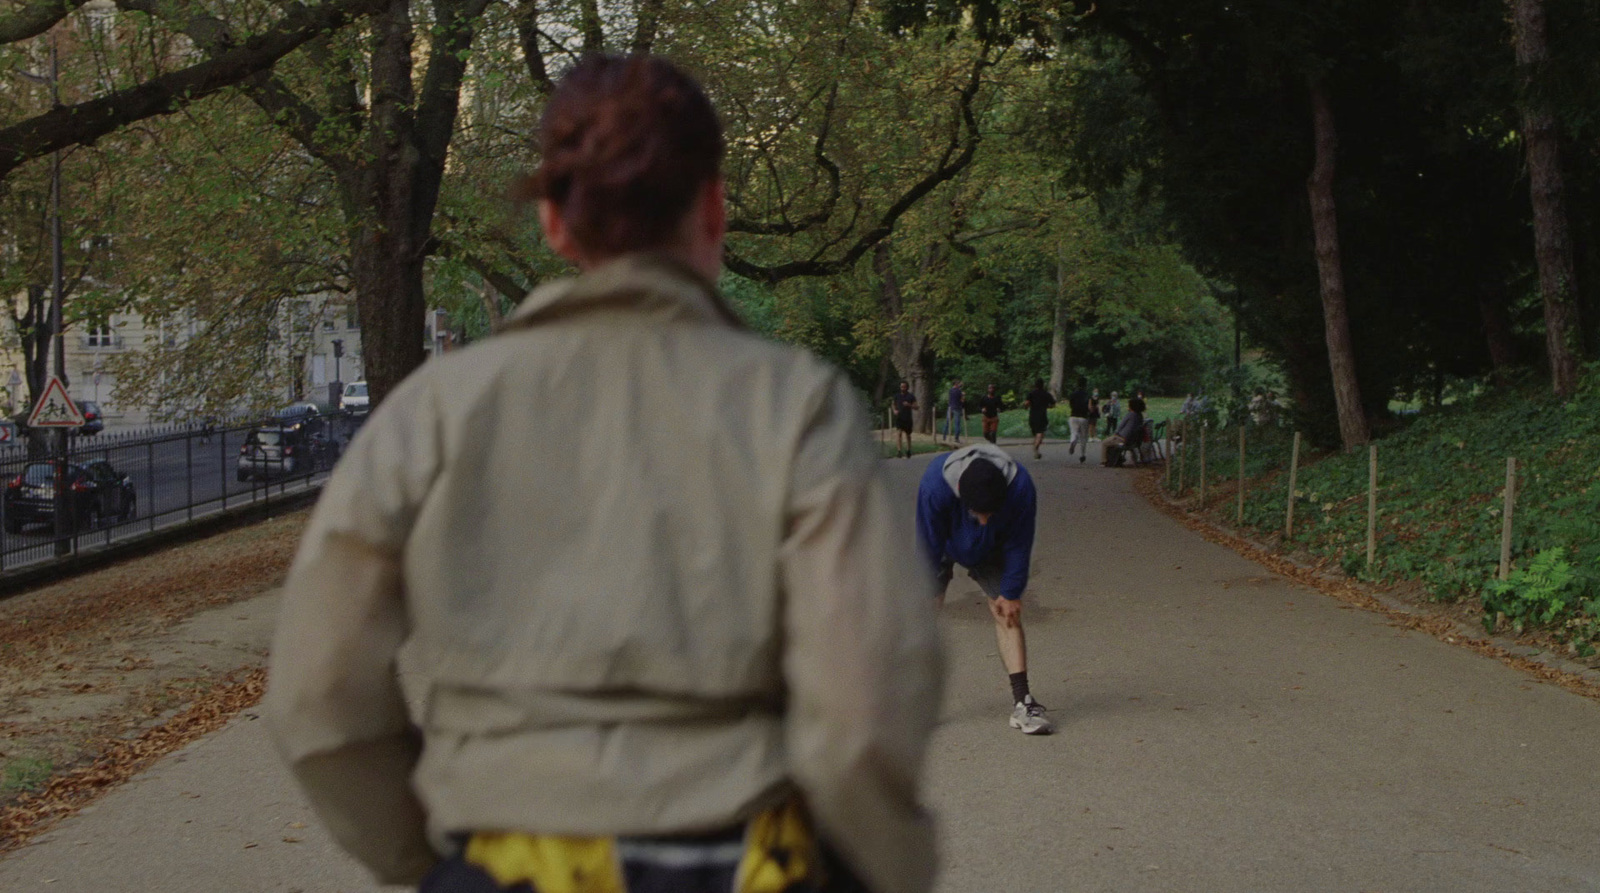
x: 1221, y: 729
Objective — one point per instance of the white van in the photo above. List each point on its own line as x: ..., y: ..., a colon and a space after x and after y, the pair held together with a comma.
x: 354, y: 398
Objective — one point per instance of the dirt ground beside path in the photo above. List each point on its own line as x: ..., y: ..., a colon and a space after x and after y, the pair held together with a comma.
x: 102, y: 673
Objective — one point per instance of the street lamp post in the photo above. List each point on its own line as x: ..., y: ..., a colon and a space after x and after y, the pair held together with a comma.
x: 336, y: 387
x: 59, y: 439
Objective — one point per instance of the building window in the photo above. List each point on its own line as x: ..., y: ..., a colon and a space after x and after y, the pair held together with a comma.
x: 300, y: 316
x: 352, y: 320
x: 328, y: 322
x: 101, y: 336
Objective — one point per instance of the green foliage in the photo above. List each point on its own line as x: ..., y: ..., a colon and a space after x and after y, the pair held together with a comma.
x: 24, y: 774
x: 1431, y: 190
x: 1533, y: 595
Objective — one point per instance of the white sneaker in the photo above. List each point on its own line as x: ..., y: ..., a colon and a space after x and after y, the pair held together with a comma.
x: 1028, y: 716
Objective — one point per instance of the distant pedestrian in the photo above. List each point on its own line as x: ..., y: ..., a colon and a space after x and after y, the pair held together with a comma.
x: 989, y: 405
x: 1112, y: 410
x: 976, y: 507
x: 1094, y: 413
x: 955, y: 413
x: 1078, y: 402
x: 905, y: 408
x: 1039, y: 402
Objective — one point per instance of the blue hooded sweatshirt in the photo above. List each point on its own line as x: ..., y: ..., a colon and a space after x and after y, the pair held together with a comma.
x: 946, y: 528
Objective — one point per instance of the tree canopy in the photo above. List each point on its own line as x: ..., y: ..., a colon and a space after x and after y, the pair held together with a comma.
x: 995, y: 190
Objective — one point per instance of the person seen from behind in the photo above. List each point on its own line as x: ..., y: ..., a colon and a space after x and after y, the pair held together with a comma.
x: 1094, y: 417
x: 955, y: 413
x: 989, y: 406
x: 904, y: 404
x: 615, y: 664
x: 1039, y: 402
x: 1078, y: 404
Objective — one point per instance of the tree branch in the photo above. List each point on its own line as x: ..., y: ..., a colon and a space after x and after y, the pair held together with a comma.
x: 819, y: 154
x: 526, y: 16
x: 957, y: 154
x: 86, y: 122
x: 594, y: 35
x: 34, y: 18
x: 440, y: 100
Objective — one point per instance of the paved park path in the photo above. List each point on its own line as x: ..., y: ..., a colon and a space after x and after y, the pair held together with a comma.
x: 1220, y: 729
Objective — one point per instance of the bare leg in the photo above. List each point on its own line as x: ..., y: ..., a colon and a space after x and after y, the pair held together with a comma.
x: 1008, y: 633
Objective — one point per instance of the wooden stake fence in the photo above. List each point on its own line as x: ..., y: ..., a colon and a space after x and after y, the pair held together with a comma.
x: 1505, y: 519
x: 1372, y: 505
x: 1240, y: 519
x: 1184, y: 464
x: 1294, y: 469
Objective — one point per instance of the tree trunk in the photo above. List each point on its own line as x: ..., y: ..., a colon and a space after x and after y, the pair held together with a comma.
x: 908, y: 341
x: 1552, y: 239
x: 648, y: 19
x: 391, y: 193
x: 1497, y: 329
x: 1330, y: 272
x: 880, y: 389
x: 1058, y: 328
x: 593, y: 30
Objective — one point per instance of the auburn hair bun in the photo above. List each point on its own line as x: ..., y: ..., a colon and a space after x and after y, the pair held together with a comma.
x: 627, y: 142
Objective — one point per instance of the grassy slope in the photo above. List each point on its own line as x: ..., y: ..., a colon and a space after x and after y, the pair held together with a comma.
x: 1441, y: 479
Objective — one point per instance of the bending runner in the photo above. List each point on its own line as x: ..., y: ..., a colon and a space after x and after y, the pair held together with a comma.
x: 976, y: 507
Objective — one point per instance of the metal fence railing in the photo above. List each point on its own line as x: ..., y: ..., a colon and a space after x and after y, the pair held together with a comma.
x: 122, y: 485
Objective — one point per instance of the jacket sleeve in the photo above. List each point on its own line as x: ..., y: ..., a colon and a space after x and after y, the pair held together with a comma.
x: 1017, y: 551
x: 862, y: 660
x: 1131, y: 423
x: 933, y: 526
x: 333, y: 703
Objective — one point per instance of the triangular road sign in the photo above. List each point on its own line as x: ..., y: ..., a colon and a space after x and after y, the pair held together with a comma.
x: 55, y: 409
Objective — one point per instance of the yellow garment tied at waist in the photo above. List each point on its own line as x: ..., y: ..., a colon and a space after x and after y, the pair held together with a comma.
x: 780, y: 850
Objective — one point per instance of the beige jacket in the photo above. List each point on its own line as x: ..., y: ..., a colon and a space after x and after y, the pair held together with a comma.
x: 629, y: 569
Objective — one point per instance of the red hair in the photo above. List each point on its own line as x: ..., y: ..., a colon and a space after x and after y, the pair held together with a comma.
x: 627, y: 143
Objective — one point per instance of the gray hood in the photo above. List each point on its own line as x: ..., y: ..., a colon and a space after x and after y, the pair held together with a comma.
x: 957, y: 462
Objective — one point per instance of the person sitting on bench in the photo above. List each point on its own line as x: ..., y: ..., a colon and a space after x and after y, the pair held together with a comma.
x: 1129, y: 436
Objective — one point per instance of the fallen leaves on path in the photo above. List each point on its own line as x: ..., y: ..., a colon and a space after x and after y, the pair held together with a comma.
x: 32, y: 814
x: 92, y: 683
x: 1419, y: 617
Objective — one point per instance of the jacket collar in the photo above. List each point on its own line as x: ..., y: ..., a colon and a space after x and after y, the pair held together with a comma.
x: 646, y: 283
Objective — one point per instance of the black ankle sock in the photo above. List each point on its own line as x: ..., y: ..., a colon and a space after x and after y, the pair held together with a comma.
x: 1019, y: 686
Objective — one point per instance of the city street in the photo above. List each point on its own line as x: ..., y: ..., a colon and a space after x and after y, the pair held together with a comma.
x: 176, y: 478
x: 1221, y: 728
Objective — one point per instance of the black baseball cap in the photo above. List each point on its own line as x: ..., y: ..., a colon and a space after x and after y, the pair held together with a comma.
x: 982, y: 487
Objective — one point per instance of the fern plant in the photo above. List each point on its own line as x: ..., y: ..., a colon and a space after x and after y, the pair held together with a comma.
x: 1539, y: 593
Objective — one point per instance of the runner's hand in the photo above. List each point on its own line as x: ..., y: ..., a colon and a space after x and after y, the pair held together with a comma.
x: 1007, y: 611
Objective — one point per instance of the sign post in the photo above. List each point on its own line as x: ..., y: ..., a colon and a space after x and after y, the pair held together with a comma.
x: 55, y: 409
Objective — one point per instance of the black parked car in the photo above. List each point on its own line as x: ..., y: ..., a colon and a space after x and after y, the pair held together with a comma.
x: 96, y: 492
x: 281, y: 449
